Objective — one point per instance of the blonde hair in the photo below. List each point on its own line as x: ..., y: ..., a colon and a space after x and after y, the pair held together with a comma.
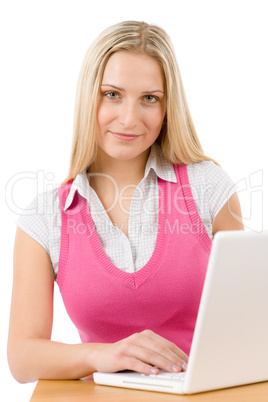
x: 178, y: 138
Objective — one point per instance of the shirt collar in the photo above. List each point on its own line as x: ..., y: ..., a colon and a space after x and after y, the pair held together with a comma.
x: 163, y: 168
x: 80, y: 184
x: 156, y: 162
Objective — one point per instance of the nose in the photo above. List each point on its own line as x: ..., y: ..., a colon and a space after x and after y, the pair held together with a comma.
x: 128, y: 116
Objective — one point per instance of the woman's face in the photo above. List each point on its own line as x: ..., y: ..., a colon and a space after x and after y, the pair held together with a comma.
x: 131, y: 106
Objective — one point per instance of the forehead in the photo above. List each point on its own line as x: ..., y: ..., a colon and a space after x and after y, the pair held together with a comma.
x: 125, y: 69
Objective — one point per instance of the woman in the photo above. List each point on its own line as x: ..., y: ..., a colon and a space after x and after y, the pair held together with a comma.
x: 128, y: 234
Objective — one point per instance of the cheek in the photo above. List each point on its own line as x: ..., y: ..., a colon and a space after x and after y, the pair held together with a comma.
x: 155, y: 120
x: 104, y: 115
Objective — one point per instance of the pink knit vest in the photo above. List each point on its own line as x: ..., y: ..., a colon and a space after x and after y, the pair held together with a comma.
x: 107, y: 304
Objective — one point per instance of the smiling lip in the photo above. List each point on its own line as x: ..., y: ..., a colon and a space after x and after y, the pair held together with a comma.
x: 125, y: 137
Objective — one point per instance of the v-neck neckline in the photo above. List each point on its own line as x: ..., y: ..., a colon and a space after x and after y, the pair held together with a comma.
x: 137, y: 278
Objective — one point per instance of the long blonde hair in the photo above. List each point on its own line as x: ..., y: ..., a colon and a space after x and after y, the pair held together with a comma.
x: 178, y: 138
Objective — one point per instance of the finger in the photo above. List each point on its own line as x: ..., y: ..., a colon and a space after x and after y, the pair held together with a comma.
x: 135, y: 364
x: 152, y: 352
x: 157, y: 357
x: 169, y: 345
x: 152, y: 335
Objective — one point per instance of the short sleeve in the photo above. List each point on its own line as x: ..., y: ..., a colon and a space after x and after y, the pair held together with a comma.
x: 220, y: 187
x: 41, y: 220
x: 211, y: 188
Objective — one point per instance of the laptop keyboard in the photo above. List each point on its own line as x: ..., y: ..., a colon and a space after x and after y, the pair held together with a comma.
x: 167, y: 376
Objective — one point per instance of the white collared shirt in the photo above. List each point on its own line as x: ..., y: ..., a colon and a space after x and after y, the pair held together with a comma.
x: 211, y: 188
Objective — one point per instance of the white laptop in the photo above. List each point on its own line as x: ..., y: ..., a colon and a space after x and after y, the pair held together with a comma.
x: 230, y: 342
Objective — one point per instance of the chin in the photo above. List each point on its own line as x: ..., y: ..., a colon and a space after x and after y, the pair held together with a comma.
x: 123, y: 156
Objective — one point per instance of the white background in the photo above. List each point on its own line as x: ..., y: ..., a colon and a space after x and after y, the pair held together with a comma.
x: 221, y: 48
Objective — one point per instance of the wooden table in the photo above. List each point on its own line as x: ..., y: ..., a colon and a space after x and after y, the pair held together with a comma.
x: 87, y: 390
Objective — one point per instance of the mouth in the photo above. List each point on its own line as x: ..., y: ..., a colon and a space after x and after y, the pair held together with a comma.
x: 125, y: 137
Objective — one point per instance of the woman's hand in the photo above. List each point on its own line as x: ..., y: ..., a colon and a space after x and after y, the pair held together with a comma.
x: 144, y: 352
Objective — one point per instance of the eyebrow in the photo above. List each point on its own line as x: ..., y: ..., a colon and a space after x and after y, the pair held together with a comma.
x: 123, y: 90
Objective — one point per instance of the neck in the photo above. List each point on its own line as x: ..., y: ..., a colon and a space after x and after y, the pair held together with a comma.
x: 122, y: 171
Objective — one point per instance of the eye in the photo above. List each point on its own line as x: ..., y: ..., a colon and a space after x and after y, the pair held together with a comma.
x: 151, y: 99
x: 112, y: 95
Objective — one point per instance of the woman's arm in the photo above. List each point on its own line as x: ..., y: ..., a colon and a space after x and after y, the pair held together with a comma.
x: 229, y: 217
x: 31, y: 353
